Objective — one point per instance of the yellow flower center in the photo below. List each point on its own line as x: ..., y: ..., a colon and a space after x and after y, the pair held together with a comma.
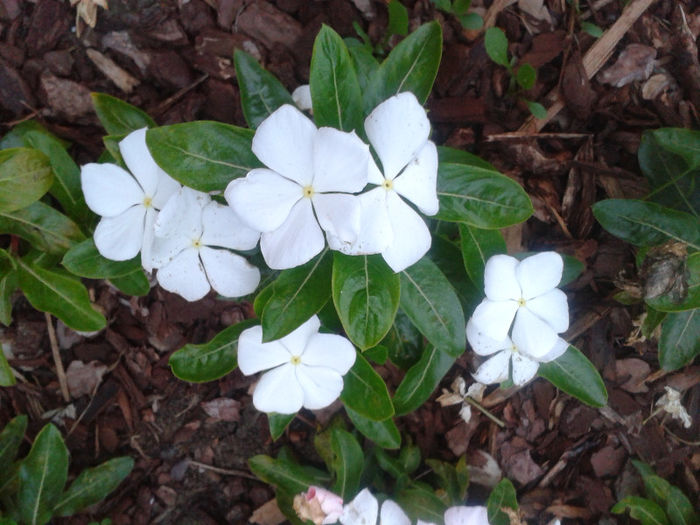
x: 295, y: 360
x: 197, y: 243
x: 308, y: 191
x: 147, y: 202
x: 388, y: 184
x: 522, y: 302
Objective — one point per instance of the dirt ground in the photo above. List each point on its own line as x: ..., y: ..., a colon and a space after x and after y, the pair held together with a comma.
x: 191, y: 442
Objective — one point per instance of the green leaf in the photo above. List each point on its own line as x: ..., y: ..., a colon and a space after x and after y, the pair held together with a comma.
x: 8, y: 284
x: 133, y: 283
x: 447, y: 155
x: 429, y: 300
x: 452, y: 480
x: 84, y: 260
x: 119, y: 117
x: 443, y: 5
x: 212, y: 360
x: 366, y: 65
x: 422, y: 503
x: 592, y: 29
x: 7, y: 377
x: 404, y: 342
x: 422, y: 379
x: 25, y: 176
x: 10, y: 440
x: 364, y: 391
x: 478, y: 245
x: 537, y: 109
x: 286, y: 474
x: 679, y: 509
x: 347, y: 463
x: 261, y: 92
x: 398, y: 19
x: 574, y: 374
x: 335, y: 91
x: 298, y: 293
x: 651, y: 321
x: 366, y: 296
x: 526, y: 76
x: 62, y: 296
x: 679, y: 343
x: 203, y: 155
x: 496, y: 44
x: 480, y: 197
x: 646, y: 223
x: 666, y: 303
x: 277, y: 423
x: 502, y: 496
x: 42, y: 475
x: 472, y: 21
x: 15, y: 138
x: 383, y: 433
x: 93, y: 485
x: 43, y: 227
x: 446, y: 254
x: 642, y: 509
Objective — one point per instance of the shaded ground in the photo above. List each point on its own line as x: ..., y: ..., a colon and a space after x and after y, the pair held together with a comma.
x: 174, y: 60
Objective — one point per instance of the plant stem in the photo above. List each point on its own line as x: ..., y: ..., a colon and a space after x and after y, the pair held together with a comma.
x: 486, y: 412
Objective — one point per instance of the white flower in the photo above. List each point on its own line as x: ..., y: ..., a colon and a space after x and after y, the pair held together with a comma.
x: 671, y: 403
x: 459, y: 394
x: 527, y: 291
x: 307, y: 367
x: 364, y: 508
x: 127, y: 204
x: 188, y: 229
x: 398, y: 129
x: 312, y: 174
x: 463, y: 515
x: 509, y: 353
x: 302, y: 97
x: 319, y: 505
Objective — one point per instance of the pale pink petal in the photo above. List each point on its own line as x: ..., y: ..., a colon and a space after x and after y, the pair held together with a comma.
x: 495, y: 369
x: 339, y: 215
x: 362, y: 510
x: 500, y: 282
x: 397, y: 129
x: 482, y: 344
x: 551, y: 307
x: 284, y: 143
x: 411, y: 237
x: 165, y: 249
x: 331, y: 351
x: 557, y: 350
x: 375, y: 232
x: 321, y: 386
x: 279, y: 391
x: 182, y: 215
x: 392, y: 514
x: 532, y: 335
x: 493, y: 318
x: 254, y: 355
x: 298, y: 240
x: 296, y: 341
x: 185, y: 276
x: 340, y: 161
x: 119, y: 238
x: 109, y: 190
x: 418, y: 182
x: 229, y: 274
x: 222, y: 227
x: 524, y: 368
x: 148, y: 239
x: 139, y: 161
x: 466, y: 516
x: 262, y: 199
x: 539, y: 273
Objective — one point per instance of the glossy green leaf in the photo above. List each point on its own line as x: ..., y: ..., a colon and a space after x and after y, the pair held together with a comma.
x: 62, y: 296
x: 454, y: 480
x: 286, y: 474
x: 119, y: 117
x: 261, y: 92
x: 8, y: 284
x: 15, y: 138
x: 421, y: 503
x: 496, y: 44
x: 42, y: 226
x: 526, y: 76
x: 574, y: 374
x: 447, y: 255
x: 11, y: 438
x: 679, y: 343
x: 404, y: 342
x: 429, y: 300
x: 666, y: 303
x: 422, y: 379
x: 642, y: 509
x: 398, y: 18
x: 133, y: 283
x: 502, y: 496
x: 285, y: 502
x: 84, y: 260
x: 646, y: 223
x: 480, y: 197
x: 93, y: 485
x: 537, y: 109
x: 652, y: 319
x: 42, y: 475
x: 298, y: 293
x: 203, y: 155
x: 25, y: 176
x: 278, y: 423
x: 478, y: 245
x: 447, y: 155
x: 383, y: 433
x: 212, y: 360
x: 347, y: 463
x: 366, y: 296
x: 366, y: 65
x: 364, y: 391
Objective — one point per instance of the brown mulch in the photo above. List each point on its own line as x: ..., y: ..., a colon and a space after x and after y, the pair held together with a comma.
x: 191, y: 442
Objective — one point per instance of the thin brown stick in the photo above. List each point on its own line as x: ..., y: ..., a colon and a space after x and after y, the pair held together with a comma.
x: 227, y: 472
x: 60, y: 372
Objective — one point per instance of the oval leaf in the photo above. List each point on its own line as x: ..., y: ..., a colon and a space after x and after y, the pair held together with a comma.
x: 477, y: 246
x: 574, y: 374
x: 278, y: 422
x: 286, y: 474
x: 496, y: 45
x: 25, y: 176
x: 10, y: 439
x: 679, y: 342
x: 84, y: 260
x: 642, y: 509
x: 347, y: 463
x: 364, y: 391
x: 133, y: 283
x: 383, y: 433
x: 502, y: 496
x: 119, y: 117
x: 422, y: 379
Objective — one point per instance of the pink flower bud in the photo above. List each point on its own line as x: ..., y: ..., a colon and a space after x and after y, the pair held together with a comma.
x: 318, y: 505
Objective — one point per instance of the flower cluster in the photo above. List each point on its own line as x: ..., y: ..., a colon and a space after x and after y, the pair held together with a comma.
x: 521, y: 294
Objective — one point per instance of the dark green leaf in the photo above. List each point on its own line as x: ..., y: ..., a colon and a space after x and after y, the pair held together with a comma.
x: 526, y: 76
x: 451, y: 480
x: 502, y: 496
x: 404, y: 342
x: 84, y: 260
x: 8, y: 284
x: 447, y: 255
x: 25, y: 176
x: 443, y: 5
x: 679, y: 343
x: 10, y: 440
x: 460, y: 7
x: 421, y: 380
x: 286, y: 474
x: 478, y: 245
x: 679, y: 509
x: 383, y: 433
x: 7, y: 377
x: 15, y: 138
x: 496, y: 45
x: 133, y: 283
x: 365, y: 64
x: 347, y: 463
x: 642, y: 509
x: 421, y: 503
x: 277, y: 423
x: 574, y: 374
x: 364, y: 391
x: 472, y: 21
x: 119, y: 117
x: 651, y: 321
x: 447, y: 155
x: 398, y: 18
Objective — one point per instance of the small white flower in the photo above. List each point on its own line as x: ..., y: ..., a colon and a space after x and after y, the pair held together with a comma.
x: 319, y: 505
x: 671, y: 403
x: 190, y: 230
x: 127, y: 203
x: 302, y: 97
x: 524, y: 290
x: 463, y: 515
x: 306, y: 190
x: 364, y: 508
x: 307, y: 367
x: 459, y: 394
x: 398, y: 129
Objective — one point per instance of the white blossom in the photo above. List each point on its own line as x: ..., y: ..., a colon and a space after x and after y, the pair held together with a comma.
x: 671, y: 403
x: 364, y: 508
x: 463, y: 515
x: 302, y: 97
x: 319, y: 505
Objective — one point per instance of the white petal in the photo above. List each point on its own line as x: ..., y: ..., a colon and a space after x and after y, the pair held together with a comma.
x: 392, y: 514
x: 339, y: 215
x: 482, y: 344
x: 418, y: 182
x: 532, y: 335
x: 109, y: 190
x: 298, y: 240
x: 500, y: 282
x: 330, y: 351
x: 119, y: 238
x: 262, y: 199
x: 539, y: 273
x: 296, y: 341
x: 279, y: 391
x: 302, y: 97
x: 165, y: 249
x: 411, y: 237
x: 321, y: 386
x: 552, y: 308
x: 362, y: 510
x: 222, y: 227
x: 493, y: 318
x: 254, y: 355
x: 167, y: 187
x: 524, y: 368
x: 182, y: 215
x: 284, y: 143
x: 557, y: 350
x: 374, y: 174
x: 494, y: 370
x: 185, y: 276
x: 148, y: 239
x: 375, y: 232
x: 229, y: 274
x: 466, y: 516
x: 340, y: 161
x: 397, y: 128
x: 139, y: 161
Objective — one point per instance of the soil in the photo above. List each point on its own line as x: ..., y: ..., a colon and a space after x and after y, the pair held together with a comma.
x: 191, y: 441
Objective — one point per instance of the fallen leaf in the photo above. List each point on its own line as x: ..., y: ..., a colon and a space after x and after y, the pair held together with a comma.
x: 222, y: 409
x: 84, y: 378
x: 636, y: 62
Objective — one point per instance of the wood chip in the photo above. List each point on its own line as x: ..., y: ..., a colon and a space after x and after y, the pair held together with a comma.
x: 112, y: 71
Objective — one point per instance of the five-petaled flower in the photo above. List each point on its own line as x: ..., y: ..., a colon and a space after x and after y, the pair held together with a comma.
x: 463, y: 515
x: 364, y: 509
x: 190, y: 231
x: 127, y: 203
x: 307, y: 367
x: 307, y: 187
